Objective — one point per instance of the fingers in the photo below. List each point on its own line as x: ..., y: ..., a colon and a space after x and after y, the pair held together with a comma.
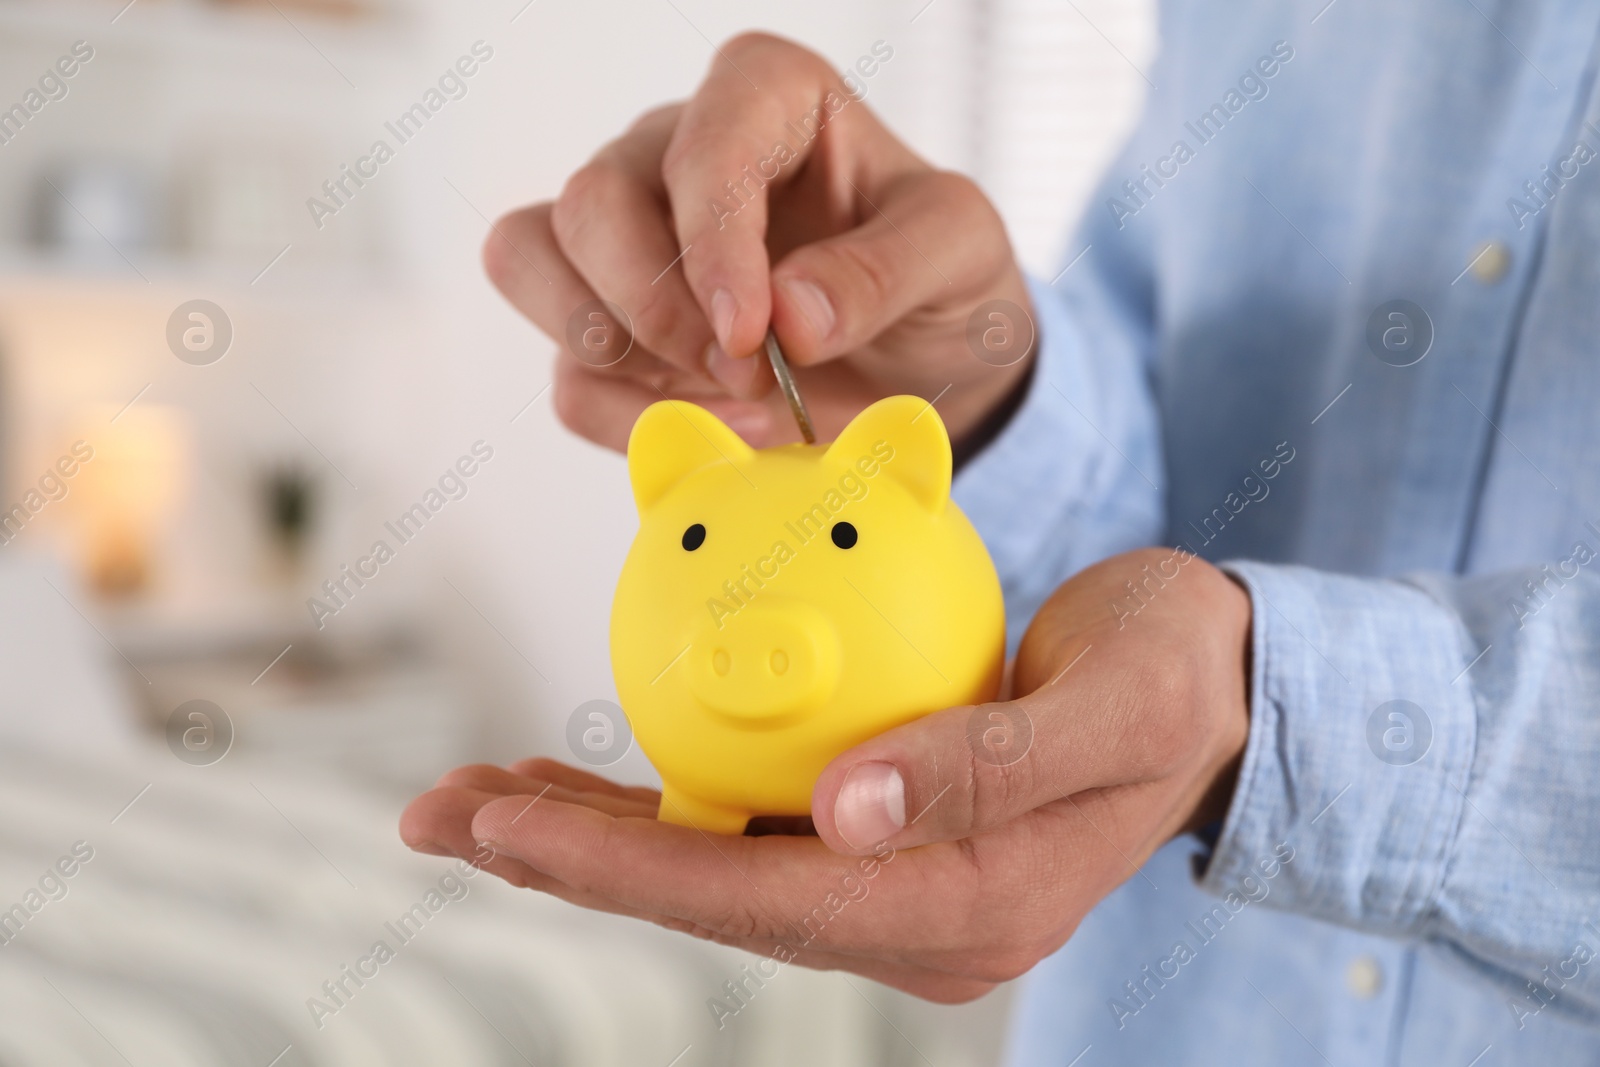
x: 792, y: 889
x: 604, y: 409
x: 522, y: 258
x: 582, y: 781
x: 496, y: 782
x: 734, y: 141
x: 598, y: 400
x: 610, y: 222
x: 671, y: 223
x: 927, y: 237
x: 440, y: 823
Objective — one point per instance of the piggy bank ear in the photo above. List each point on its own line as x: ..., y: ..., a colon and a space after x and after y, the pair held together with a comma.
x: 905, y: 439
x: 673, y: 438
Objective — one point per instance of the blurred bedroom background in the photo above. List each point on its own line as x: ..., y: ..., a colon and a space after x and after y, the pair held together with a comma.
x: 213, y: 399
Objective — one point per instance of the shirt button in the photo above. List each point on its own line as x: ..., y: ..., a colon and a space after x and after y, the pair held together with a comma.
x: 1490, y: 262
x: 1364, y: 977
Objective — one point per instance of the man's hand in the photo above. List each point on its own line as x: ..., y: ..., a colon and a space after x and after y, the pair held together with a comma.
x: 941, y: 869
x: 867, y: 262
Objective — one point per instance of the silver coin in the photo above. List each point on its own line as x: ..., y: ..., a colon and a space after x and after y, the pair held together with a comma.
x: 791, y: 391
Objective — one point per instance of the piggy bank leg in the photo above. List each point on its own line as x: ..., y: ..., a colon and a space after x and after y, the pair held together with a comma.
x: 681, y: 809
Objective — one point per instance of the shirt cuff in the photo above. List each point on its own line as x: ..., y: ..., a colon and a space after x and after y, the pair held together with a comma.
x: 1351, y: 790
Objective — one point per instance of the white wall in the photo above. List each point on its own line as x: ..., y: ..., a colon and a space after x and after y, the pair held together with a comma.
x: 377, y: 336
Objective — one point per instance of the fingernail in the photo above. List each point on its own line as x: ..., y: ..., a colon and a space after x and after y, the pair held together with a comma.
x: 736, y: 375
x: 871, y: 806
x: 723, y: 308
x: 428, y: 848
x: 813, y: 304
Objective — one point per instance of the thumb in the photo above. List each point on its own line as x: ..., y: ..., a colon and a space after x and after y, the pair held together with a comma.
x: 965, y: 770
x: 926, y: 237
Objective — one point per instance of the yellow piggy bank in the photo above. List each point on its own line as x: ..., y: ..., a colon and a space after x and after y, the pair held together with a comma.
x: 781, y: 606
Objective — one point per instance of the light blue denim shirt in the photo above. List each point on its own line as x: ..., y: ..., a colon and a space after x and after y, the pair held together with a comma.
x: 1337, y: 320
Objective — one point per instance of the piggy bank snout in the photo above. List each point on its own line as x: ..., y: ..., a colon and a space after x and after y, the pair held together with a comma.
x: 770, y: 660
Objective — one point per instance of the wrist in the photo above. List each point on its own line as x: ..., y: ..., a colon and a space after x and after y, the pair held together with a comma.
x: 990, y: 423
x: 1222, y: 774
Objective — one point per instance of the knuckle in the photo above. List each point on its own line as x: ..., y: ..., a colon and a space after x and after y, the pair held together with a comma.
x: 649, y: 121
x: 692, y: 144
x: 468, y: 777
x: 540, y: 767
x: 966, y: 200
x: 963, y: 194
x: 1165, y: 680
x: 1013, y: 965
x: 758, y: 45
x: 585, y: 195
x: 1016, y: 936
x: 996, y: 793
x: 1164, y: 733
x: 568, y: 402
x: 1002, y: 963
x: 865, y: 272
x: 504, y: 246
x: 581, y: 404
x: 660, y: 320
x: 969, y: 208
x: 780, y: 61
x: 957, y: 804
x: 739, y: 922
x: 687, y: 146
x: 680, y: 152
x: 1013, y: 786
x: 1020, y: 924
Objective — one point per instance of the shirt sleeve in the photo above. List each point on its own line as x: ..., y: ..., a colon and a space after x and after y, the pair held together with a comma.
x: 1077, y: 474
x: 1428, y: 751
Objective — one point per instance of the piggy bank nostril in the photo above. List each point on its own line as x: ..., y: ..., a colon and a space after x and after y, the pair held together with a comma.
x: 721, y: 662
x: 779, y: 661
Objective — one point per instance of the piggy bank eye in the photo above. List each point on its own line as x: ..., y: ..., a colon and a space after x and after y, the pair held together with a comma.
x: 694, y: 537
x: 844, y: 535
